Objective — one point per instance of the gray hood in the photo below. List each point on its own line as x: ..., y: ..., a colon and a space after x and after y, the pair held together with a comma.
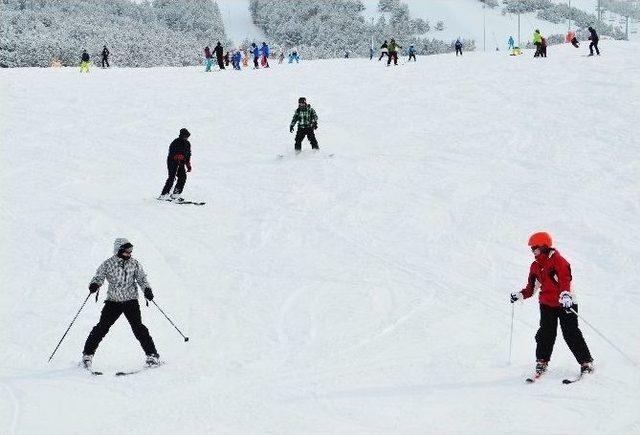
x: 118, y: 244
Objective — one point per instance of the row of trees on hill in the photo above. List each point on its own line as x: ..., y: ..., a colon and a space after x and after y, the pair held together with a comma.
x: 560, y: 12
x: 160, y: 32
x: 329, y: 29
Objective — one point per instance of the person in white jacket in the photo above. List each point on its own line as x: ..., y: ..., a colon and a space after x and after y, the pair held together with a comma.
x: 124, y: 273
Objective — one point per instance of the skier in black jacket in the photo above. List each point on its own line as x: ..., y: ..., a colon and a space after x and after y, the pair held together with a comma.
x: 179, y: 157
x: 105, y: 56
x: 219, y: 55
x: 594, y: 41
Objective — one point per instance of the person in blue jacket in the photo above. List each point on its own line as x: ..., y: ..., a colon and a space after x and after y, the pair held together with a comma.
x: 237, y: 57
x: 412, y: 53
x: 511, y: 43
x: 265, y: 55
x: 255, y: 51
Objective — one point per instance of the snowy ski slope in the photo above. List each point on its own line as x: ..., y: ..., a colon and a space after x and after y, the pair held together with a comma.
x: 365, y: 293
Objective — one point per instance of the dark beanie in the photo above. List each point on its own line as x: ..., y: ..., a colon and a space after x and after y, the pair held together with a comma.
x: 302, y: 100
x: 184, y: 132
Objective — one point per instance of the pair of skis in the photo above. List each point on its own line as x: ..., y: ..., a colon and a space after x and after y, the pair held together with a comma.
x: 183, y: 202
x: 537, y: 376
x: 125, y: 373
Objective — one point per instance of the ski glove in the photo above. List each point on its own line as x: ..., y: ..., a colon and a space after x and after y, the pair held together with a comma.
x: 516, y: 296
x: 93, y: 287
x: 148, y: 293
x: 566, y: 300
x: 291, y: 129
x: 188, y: 165
x: 315, y: 125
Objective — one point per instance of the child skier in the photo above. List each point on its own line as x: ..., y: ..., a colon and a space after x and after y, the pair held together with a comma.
x: 307, y: 121
x: 551, y: 273
x: 412, y: 53
x: 123, y: 272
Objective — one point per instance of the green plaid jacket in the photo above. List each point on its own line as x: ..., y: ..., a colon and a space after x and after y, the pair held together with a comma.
x: 304, y: 117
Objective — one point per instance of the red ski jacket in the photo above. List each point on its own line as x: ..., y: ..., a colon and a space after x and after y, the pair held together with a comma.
x: 552, y: 275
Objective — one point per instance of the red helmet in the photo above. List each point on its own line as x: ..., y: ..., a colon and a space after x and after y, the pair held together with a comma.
x: 540, y: 239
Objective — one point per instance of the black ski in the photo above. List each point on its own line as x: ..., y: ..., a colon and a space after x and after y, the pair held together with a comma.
x: 534, y: 378
x: 133, y: 372
x: 189, y: 202
x: 93, y: 372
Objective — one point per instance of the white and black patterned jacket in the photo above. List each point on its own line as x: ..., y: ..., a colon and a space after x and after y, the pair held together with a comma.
x: 122, y: 276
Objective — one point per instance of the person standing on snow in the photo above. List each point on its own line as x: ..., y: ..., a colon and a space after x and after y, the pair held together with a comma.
x: 219, y: 51
x: 178, y: 158
x: 84, y: 61
x: 384, y: 50
x: 511, y: 44
x: 412, y: 54
x: 265, y: 55
x: 123, y: 272
x: 208, y: 59
x: 393, y: 52
x: 255, y: 51
x: 105, y: 56
x: 551, y: 273
x: 307, y: 121
x: 593, y: 36
x: 458, y: 46
x: 537, y: 41
x: 543, y: 47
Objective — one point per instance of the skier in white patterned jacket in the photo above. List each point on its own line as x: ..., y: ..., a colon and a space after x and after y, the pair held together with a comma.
x: 123, y: 272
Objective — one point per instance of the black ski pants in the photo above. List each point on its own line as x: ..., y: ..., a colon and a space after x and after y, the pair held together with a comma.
x: 594, y: 44
x: 458, y: 51
x: 255, y: 62
x: 412, y: 56
x: 110, y: 313
x: 300, y: 135
x: 546, y: 335
x: 175, y: 169
x: 220, y: 61
x: 105, y: 60
x: 383, y: 54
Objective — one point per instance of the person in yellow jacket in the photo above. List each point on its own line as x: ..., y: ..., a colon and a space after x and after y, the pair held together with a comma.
x: 537, y: 41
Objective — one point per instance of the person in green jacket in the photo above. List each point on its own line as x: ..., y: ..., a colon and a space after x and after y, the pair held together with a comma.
x: 393, y: 52
x: 537, y: 41
x: 307, y: 121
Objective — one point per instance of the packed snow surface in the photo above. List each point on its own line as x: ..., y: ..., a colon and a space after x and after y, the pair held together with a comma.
x: 363, y: 293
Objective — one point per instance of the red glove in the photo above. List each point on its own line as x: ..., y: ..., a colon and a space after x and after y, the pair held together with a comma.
x: 188, y: 167
x: 178, y: 157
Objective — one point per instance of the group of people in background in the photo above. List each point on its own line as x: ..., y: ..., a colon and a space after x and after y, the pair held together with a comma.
x: 239, y: 58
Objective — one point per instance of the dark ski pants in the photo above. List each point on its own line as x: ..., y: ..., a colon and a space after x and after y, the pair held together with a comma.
x: 108, y: 317
x: 412, y: 56
x: 105, y: 60
x: 546, y: 335
x: 175, y: 169
x: 383, y: 54
x: 308, y: 132
x: 393, y: 56
x: 592, y: 46
x: 458, y: 50
x: 220, y: 61
x: 255, y: 63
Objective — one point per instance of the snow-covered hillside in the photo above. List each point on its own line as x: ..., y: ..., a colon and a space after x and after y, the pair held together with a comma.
x: 364, y: 293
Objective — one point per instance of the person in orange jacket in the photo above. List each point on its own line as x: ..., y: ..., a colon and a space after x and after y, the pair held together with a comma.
x: 551, y: 274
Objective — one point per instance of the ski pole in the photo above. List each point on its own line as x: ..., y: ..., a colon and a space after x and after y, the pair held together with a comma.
x: 65, y: 332
x: 183, y: 336
x: 604, y: 338
x: 511, y: 333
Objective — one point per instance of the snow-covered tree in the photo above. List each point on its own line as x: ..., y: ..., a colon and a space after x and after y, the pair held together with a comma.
x: 164, y: 32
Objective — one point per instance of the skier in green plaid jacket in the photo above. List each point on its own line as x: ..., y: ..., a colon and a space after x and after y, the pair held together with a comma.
x: 307, y: 121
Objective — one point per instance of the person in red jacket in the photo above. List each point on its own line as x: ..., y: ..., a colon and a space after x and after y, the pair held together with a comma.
x: 551, y: 274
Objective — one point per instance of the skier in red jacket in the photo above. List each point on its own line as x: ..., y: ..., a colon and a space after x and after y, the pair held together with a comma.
x: 551, y: 274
